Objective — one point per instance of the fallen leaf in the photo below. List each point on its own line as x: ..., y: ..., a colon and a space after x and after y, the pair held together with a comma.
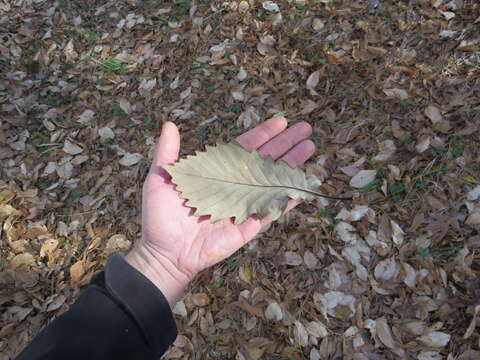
x: 86, y: 117
x: 7, y: 210
x: 77, y: 271
x: 433, y: 113
x: 330, y: 300
x: 313, y: 80
x: 385, y: 333
x: 273, y: 312
x: 20, y: 313
x: 71, y: 148
x: 473, y: 219
x: 277, y: 19
x: 252, y: 310
x: 387, y: 149
x: 447, y: 33
x: 386, y: 270
x: 237, y: 94
x: 317, y: 24
x: 315, y: 354
x: 79, y: 159
x: 397, y: 233
x: 242, y: 74
x: 146, y: 85
x: 69, y: 51
x: 347, y: 134
x: 248, y: 118
x: 308, y: 106
x: 448, y: 14
x: 270, y: 6
x: 310, y: 260
x: 48, y: 246
x: 56, y: 303
x: 316, y: 329
x: 474, y: 194
x: 410, y: 278
x: 292, y: 258
x: 469, y: 354
x: 180, y: 309
x: 435, y: 339
x: 396, y: 93
x: 362, y: 178
x: 265, y: 49
x: 429, y: 355
x: 245, y: 273
x: 255, y: 353
x: 200, y: 299
x: 422, y: 145
x: 106, y: 133
x: 243, y: 6
x: 356, y: 214
x: 346, y: 232
x: 471, y: 327
x: 130, y: 159
x: 251, y: 323
x: 439, y: 224
x: 300, y: 333
x: 246, y: 177
x: 175, y: 83
x: 22, y: 259
x: 117, y: 243
x: 125, y: 106
x: 436, y: 202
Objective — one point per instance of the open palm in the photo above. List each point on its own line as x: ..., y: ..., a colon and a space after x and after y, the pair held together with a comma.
x: 186, y: 244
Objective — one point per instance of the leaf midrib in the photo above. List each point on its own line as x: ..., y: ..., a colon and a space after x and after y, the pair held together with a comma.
x: 256, y: 185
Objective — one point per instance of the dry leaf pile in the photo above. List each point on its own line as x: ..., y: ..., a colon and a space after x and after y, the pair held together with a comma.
x: 392, y: 91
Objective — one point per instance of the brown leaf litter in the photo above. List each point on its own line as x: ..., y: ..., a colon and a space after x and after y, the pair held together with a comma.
x: 392, y: 91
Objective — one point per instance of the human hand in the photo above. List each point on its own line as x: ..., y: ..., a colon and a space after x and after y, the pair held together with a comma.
x: 175, y: 244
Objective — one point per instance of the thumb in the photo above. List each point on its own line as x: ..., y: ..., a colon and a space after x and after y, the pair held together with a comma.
x: 168, y: 146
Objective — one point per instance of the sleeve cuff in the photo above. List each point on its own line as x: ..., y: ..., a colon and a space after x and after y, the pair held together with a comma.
x: 143, y: 301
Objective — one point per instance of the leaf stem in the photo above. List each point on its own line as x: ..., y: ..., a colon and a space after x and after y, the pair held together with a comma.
x: 267, y: 186
x: 312, y: 192
x: 327, y: 196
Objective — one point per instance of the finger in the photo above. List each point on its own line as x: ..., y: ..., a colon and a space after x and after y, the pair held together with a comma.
x: 282, y: 143
x: 250, y: 228
x: 259, y: 135
x: 299, y: 153
x: 168, y: 146
x: 291, y: 204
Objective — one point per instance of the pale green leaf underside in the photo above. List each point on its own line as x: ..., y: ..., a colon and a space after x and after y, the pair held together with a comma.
x: 226, y: 181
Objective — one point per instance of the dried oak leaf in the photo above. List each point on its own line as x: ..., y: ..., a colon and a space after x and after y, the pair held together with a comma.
x: 273, y: 312
x: 227, y: 181
x: 439, y: 225
x: 384, y: 333
x: 8, y: 210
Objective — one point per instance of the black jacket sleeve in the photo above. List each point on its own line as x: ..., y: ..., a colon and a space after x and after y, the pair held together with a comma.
x: 121, y: 315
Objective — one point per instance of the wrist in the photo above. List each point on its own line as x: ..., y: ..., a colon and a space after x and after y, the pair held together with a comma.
x: 160, y: 271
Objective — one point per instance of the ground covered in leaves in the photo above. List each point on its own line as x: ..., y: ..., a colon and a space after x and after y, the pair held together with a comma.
x: 392, y: 91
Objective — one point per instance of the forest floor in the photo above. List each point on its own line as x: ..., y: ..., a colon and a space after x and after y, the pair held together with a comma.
x: 392, y: 91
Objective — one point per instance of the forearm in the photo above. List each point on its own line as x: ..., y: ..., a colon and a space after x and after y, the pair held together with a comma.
x: 120, y: 315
